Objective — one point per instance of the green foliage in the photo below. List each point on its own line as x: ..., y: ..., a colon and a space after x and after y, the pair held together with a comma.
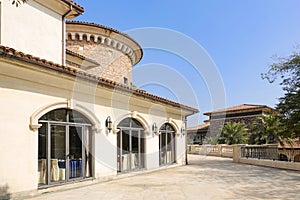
x: 210, y: 140
x: 288, y: 70
x: 267, y: 129
x: 18, y: 2
x: 233, y: 133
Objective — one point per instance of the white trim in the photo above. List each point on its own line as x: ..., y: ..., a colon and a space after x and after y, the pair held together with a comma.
x: 173, y: 124
x: 135, y: 115
x: 68, y: 104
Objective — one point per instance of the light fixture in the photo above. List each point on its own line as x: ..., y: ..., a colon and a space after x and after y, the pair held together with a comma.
x: 182, y: 130
x: 108, y: 123
x: 154, y: 128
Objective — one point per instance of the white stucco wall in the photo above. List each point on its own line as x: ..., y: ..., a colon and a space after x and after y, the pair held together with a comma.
x: 23, y: 95
x: 32, y: 29
x: 18, y: 144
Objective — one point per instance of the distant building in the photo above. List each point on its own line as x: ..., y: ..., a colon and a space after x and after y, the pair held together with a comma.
x: 197, y: 134
x: 245, y: 114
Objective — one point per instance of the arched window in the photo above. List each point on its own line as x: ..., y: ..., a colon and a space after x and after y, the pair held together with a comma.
x: 166, y: 144
x: 64, y: 147
x: 131, y: 145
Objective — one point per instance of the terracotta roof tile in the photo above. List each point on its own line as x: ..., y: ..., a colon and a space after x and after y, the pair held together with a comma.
x: 77, y: 6
x: 14, y: 54
x: 243, y: 107
x: 202, y: 126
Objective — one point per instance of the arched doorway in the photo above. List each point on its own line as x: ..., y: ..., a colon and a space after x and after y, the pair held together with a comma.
x: 64, y: 147
x: 131, y: 145
x: 166, y: 144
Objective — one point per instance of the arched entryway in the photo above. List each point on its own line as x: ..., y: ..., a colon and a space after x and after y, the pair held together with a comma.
x: 64, y: 147
x: 166, y: 144
x: 131, y: 145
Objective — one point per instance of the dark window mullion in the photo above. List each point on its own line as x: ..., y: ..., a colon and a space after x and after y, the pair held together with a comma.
x: 48, y: 152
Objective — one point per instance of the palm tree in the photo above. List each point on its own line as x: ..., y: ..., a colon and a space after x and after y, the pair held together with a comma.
x: 210, y: 140
x: 267, y: 129
x: 233, y: 133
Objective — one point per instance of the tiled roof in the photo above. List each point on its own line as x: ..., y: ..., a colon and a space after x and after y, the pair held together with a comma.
x: 81, y: 57
x: 202, y: 126
x: 239, y: 108
x: 17, y: 55
x: 75, y: 5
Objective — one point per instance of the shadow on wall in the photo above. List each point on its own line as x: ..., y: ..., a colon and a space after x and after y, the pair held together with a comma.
x: 4, y: 192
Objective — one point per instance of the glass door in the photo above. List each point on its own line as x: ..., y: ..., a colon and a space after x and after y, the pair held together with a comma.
x: 57, y: 153
x: 75, y: 152
x: 65, y: 146
x: 135, y: 150
x: 124, y: 149
x: 130, y: 148
x: 162, y: 148
x: 166, y: 145
x: 67, y: 153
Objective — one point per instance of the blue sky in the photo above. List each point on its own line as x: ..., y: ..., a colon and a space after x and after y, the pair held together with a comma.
x: 240, y: 36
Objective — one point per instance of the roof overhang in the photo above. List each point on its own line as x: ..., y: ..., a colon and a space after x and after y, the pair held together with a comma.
x: 62, y: 7
x: 139, y: 95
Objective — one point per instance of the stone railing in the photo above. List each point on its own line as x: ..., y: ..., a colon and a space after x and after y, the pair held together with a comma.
x: 263, y: 155
x: 212, y: 150
x: 269, y: 152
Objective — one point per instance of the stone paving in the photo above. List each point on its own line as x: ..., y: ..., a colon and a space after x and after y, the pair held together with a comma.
x: 204, y: 178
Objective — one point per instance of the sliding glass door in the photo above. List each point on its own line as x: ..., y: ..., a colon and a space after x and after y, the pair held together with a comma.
x: 64, y: 149
x: 166, y: 144
x: 130, y: 142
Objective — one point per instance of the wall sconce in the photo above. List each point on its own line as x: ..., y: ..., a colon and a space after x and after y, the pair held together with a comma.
x: 182, y: 129
x: 154, y: 128
x: 108, y: 123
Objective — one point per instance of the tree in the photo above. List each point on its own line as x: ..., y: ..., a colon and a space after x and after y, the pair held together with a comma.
x: 210, y: 140
x: 18, y: 2
x: 288, y: 70
x: 267, y: 129
x: 233, y: 133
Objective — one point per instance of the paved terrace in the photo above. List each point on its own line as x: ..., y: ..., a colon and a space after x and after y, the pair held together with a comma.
x: 204, y: 178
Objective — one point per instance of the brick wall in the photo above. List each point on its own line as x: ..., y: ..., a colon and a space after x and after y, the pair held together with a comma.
x: 114, y: 65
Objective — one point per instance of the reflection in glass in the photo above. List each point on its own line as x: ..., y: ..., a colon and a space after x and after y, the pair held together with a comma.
x: 167, y: 144
x: 75, y: 151
x: 64, y: 147
x: 42, y: 167
x: 58, y: 149
x: 130, y: 142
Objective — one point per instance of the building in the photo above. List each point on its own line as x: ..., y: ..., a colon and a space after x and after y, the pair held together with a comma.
x: 197, y: 134
x: 69, y: 112
x: 245, y: 114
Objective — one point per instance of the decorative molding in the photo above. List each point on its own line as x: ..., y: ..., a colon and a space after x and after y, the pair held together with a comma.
x: 136, y: 116
x: 110, y: 42
x: 68, y: 104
